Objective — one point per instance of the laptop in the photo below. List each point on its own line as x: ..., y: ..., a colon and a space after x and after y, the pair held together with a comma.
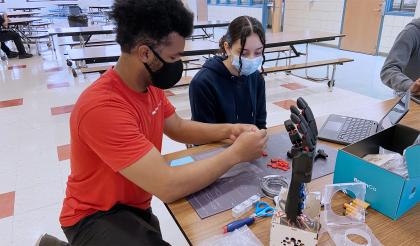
x: 347, y: 130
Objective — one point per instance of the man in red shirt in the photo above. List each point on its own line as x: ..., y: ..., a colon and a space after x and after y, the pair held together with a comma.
x: 117, y: 127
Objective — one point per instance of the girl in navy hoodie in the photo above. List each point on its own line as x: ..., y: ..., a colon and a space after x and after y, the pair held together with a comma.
x: 230, y: 88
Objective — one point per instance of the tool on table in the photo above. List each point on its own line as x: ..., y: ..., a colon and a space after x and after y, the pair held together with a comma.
x: 245, y: 206
x: 320, y: 154
x: 262, y: 209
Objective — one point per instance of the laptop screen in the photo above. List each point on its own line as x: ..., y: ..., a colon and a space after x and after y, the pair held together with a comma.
x: 396, y: 113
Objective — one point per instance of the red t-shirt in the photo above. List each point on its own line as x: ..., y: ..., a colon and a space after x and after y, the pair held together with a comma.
x: 111, y: 127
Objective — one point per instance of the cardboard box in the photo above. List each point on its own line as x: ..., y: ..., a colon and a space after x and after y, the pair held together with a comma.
x: 387, y: 192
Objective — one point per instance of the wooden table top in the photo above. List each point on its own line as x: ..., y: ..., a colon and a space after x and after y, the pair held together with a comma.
x: 404, y: 231
x: 21, y: 13
x: 207, y: 46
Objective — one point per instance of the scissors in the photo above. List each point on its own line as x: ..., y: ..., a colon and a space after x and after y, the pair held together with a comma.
x: 262, y: 209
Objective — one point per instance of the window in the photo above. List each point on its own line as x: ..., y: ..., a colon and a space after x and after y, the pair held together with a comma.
x: 401, y: 7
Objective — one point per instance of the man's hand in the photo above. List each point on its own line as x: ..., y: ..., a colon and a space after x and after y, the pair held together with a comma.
x: 415, y: 87
x: 249, y: 145
x: 237, y: 129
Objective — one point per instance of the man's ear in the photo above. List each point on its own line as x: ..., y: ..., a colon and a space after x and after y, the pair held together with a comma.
x: 144, y: 53
x: 228, y: 50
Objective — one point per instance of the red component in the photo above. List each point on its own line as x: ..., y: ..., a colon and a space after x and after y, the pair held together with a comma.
x: 264, y: 153
x: 279, y: 164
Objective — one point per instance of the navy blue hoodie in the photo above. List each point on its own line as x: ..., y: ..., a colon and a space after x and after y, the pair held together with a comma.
x: 217, y: 96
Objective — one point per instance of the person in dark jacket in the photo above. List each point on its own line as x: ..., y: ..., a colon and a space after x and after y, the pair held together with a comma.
x: 230, y: 88
x: 6, y: 35
x: 401, y: 70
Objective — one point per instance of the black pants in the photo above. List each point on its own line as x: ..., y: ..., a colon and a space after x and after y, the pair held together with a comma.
x: 122, y: 225
x: 11, y: 35
x: 5, y: 49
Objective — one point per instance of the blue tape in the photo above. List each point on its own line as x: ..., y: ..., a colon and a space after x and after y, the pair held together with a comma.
x: 182, y: 161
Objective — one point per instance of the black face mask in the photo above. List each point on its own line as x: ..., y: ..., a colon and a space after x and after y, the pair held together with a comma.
x: 168, y: 75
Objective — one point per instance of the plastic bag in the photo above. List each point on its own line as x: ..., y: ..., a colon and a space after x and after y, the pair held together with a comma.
x: 340, y: 235
x: 341, y: 227
x: 331, y: 218
x: 389, y: 160
x: 240, y: 237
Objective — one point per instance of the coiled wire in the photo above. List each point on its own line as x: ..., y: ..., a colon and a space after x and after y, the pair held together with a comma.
x: 272, y: 184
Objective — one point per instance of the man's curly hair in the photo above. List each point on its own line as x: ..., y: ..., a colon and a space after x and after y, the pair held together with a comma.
x: 149, y: 22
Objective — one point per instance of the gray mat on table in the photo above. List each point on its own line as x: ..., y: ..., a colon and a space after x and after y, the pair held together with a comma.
x: 243, y: 180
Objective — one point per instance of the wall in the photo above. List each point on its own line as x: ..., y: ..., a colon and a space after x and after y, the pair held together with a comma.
x: 318, y: 15
x: 326, y: 15
x: 392, y: 26
x: 229, y: 13
x: 192, y: 5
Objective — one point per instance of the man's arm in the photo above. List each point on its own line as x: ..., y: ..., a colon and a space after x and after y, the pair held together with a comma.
x: 152, y: 174
x: 392, y: 72
x: 111, y: 131
x: 192, y: 132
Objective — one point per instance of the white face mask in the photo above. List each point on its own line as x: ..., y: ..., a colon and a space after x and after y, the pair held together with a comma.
x: 249, y: 66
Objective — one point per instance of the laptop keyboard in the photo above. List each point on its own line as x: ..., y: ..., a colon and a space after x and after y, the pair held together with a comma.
x: 355, y: 129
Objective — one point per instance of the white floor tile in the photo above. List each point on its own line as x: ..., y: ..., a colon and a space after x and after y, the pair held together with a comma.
x: 6, y: 231
x: 169, y: 228
x: 8, y: 176
x: 34, y: 173
x: 38, y: 196
x: 28, y: 227
x: 170, y: 146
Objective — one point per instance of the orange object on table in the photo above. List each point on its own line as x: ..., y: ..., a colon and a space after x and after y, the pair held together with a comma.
x: 279, y: 164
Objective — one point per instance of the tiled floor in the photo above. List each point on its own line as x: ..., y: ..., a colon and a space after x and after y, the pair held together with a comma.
x: 36, y: 97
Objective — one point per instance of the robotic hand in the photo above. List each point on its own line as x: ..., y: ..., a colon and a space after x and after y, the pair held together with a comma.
x: 304, y: 141
x: 306, y: 124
